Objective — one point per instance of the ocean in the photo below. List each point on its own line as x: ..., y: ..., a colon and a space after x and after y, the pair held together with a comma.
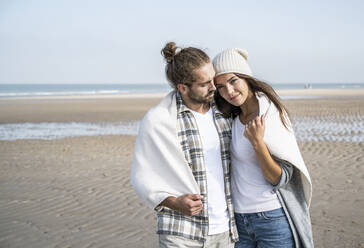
x: 44, y: 90
x: 39, y: 90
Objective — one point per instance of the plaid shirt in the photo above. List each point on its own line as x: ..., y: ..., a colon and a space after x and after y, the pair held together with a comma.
x: 196, y: 227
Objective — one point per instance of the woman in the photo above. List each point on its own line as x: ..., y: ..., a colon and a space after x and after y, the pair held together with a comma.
x: 271, y: 187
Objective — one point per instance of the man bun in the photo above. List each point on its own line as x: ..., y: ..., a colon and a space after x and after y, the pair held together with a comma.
x: 182, y: 62
x: 169, y: 51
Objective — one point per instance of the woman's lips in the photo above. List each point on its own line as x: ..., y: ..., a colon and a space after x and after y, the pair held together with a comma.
x: 234, y: 97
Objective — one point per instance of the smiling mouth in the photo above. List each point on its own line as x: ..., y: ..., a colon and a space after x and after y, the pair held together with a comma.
x: 234, y: 97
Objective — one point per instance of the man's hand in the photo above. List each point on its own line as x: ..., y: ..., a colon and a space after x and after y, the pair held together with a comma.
x: 189, y: 204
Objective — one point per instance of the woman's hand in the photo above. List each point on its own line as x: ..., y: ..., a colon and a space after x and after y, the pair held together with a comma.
x: 254, y: 131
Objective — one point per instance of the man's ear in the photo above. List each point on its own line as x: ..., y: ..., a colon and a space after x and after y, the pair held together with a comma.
x: 182, y: 88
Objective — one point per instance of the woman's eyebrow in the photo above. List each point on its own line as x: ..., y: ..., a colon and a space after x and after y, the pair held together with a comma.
x: 230, y: 78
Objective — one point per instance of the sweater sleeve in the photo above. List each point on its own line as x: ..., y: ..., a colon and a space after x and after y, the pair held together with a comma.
x: 287, y: 171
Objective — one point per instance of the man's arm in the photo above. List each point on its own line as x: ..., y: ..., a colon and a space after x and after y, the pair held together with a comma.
x: 189, y: 204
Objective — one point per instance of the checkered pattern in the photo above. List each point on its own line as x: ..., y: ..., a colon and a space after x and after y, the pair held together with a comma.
x: 196, y: 227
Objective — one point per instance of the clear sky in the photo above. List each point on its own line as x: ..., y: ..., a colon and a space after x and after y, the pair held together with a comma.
x: 114, y: 41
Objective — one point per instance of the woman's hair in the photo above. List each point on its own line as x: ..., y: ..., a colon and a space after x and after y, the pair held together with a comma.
x: 255, y: 85
x: 182, y: 63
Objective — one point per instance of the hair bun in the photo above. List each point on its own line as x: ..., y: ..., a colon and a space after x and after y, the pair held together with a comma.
x: 169, y: 51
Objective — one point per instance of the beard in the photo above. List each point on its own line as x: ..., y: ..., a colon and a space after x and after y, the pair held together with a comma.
x: 206, y: 99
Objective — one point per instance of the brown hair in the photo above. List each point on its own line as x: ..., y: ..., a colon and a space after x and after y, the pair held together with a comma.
x: 180, y: 65
x: 255, y: 85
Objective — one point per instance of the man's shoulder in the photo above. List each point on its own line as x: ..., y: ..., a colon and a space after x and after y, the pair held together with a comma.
x: 162, y: 111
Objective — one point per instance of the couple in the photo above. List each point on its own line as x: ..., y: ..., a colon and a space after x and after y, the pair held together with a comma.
x: 218, y: 160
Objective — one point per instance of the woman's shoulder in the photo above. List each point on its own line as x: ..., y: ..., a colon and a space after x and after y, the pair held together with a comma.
x: 266, y: 106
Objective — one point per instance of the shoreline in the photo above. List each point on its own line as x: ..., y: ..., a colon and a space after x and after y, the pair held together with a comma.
x: 89, y: 97
x: 123, y: 108
x: 322, y: 92
x: 293, y: 92
x: 336, y: 118
x: 337, y: 129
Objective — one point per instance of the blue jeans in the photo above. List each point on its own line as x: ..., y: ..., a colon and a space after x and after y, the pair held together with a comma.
x: 264, y: 229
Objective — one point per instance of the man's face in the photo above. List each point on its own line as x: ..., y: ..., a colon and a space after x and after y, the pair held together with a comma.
x: 202, y: 91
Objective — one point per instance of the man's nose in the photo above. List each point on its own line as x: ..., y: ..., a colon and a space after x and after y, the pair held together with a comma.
x: 212, y: 85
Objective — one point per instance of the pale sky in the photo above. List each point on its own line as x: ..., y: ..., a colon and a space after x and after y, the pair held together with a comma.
x: 87, y: 41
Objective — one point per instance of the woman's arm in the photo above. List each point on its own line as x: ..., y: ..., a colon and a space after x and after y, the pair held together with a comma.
x: 254, y: 131
x: 287, y: 173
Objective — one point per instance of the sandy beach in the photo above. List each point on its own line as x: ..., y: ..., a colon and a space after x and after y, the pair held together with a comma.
x: 75, y: 192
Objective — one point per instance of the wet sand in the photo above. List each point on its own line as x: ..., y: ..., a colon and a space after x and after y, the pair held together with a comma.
x: 75, y: 192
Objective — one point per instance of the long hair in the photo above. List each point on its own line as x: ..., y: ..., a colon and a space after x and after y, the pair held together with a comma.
x: 255, y: 85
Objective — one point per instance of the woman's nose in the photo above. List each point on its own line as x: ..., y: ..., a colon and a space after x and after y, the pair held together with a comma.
x: 229, y: 89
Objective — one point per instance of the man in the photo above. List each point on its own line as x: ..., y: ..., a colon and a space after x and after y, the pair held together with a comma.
x: 181, y: 159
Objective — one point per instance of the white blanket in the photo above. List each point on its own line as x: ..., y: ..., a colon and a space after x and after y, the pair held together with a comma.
x: 282, y: 142
x: 159, y: 167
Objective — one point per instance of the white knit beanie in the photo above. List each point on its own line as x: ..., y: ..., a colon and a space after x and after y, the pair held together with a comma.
x: 233, y: 60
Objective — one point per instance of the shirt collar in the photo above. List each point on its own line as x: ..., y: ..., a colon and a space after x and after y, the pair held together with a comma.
x: 181, y: 107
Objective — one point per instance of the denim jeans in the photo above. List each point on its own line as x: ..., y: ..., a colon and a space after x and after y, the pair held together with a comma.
x: 264, y: 229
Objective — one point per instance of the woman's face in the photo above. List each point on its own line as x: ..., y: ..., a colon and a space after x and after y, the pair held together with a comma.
x: 233, y: 89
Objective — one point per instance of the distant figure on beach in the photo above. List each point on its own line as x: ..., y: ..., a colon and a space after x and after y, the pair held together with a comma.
x: 181, y: 163
x: 270, y: 183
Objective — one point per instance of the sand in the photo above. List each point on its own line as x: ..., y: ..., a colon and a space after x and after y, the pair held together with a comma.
x: 74, y: 109
x: 75, y: 192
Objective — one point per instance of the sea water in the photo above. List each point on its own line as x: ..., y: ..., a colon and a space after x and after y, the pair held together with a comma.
x: 59, y: 130
x: 307, y: 129
x: 39, y: 90
x: 348, y: 128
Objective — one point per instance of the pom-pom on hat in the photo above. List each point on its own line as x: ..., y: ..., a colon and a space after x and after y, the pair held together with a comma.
x: 233, y: 60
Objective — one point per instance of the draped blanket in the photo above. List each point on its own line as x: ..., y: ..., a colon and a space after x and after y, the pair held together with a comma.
x: 282, y: 143
x: 296, y: 195
x: 159, y: 168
